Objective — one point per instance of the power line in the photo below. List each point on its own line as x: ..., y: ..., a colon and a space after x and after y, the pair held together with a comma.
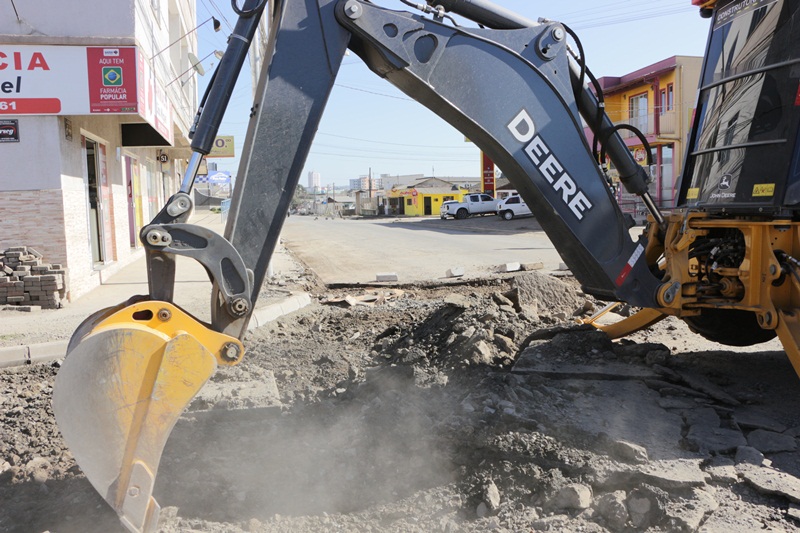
x: 408, y: 152
x: 221, y: 14
x: 399, y: 159
x: 600, y: 7
x: 388, y: 143
x: 373, y: 92
x: 609, y: 10
x: 610, y: 21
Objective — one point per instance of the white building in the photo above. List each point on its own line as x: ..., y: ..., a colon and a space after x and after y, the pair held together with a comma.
x: 365, y: 183
x: 390, y: 181
x: 96, y: 130
x: 314, y: 179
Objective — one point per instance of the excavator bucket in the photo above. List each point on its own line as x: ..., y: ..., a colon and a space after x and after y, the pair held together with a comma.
x: 128, y: 375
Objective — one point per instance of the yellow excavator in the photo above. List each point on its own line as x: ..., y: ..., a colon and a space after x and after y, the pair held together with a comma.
x: 726, y: 260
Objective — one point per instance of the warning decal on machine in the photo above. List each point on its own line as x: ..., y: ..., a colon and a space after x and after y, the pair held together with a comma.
x: 629, y: 265
x: 763, y: 189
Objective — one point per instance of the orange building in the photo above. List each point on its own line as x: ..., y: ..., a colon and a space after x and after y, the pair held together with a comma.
x: 659, y: 100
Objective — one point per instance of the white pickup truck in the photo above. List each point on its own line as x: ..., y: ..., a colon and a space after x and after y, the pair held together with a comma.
x: 473, y: 204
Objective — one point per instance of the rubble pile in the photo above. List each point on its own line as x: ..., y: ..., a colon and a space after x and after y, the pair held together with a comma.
x: 476, y: 406
x: 27, y: 283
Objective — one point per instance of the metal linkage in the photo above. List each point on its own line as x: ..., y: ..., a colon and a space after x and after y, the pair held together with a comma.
x: 223, y: 263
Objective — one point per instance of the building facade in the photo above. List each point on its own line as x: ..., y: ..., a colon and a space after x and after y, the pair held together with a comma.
x: 100, y: 97
x: 365, y: 183
x: 314, y: 179
x: 659, y: 101
x: 425, y: 198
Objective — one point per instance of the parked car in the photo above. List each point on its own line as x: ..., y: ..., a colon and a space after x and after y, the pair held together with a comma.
x: 473, y: 204
x: 445, y: 209
x: 513, y: 206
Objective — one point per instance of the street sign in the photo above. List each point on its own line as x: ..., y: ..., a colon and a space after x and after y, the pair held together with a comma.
x: 223, y: 147
x: 487, y: 174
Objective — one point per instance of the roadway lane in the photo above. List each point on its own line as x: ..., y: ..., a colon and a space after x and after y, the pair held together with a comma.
x: 417, y: 249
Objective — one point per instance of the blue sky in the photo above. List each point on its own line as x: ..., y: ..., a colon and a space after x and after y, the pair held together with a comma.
x: 369, y: 124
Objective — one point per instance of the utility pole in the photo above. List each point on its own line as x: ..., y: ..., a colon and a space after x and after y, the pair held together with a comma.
x: 370, y: 182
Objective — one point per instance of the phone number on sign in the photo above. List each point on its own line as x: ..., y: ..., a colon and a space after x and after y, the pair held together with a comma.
x: 29, y: 106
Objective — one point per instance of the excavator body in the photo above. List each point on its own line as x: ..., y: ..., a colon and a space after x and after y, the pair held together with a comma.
x: 726, y: 260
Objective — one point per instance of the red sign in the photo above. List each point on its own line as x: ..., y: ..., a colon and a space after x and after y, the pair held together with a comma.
x: 29, y: 106
x: 487, y: 172
x: 112, y: 79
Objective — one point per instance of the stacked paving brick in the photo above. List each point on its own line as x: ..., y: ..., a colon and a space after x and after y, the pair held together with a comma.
x: 27, y: 281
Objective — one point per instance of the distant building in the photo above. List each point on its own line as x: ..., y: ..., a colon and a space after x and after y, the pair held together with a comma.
x: 659, y: 100
x: 423, y: 198
x: 363, y: 184
x: 390, y: 181
x: 314, y: 179
x: 412, y: 180
x: 473, y: 183
x: 422, y: 201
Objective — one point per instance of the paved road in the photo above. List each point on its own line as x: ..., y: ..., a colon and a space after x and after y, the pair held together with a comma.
x: 417, y: 249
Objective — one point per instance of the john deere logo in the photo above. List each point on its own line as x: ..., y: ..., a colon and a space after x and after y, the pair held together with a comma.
x: 725, y: 182
x: 112, y: 76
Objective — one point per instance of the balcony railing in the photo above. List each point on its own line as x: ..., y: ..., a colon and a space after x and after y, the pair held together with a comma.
x: 667, y: 124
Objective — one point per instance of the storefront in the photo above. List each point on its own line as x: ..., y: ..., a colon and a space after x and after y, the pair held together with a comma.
x: 93, y: 155
x: 421, y: 201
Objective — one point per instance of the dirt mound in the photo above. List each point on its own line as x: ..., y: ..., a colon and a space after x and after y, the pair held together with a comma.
x: 540, y: 293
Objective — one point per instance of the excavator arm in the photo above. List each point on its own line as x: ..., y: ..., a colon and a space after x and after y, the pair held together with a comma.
x: 132, y: 369
x: 511, y: 85
x: 530, y: 124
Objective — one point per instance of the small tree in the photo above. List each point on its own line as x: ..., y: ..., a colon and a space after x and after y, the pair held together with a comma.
x: 300, y: 196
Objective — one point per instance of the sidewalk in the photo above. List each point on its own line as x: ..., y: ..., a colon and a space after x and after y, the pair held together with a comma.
x: 43, y: 335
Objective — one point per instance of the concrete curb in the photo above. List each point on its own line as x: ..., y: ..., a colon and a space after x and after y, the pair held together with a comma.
x: 268, y: 313
x: 50, y: 351
x: 34, y: 353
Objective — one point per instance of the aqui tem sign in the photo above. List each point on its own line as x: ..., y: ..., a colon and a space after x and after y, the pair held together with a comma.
x: 223, y: 147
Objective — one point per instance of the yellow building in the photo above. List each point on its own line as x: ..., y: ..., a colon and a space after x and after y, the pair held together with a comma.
x: 422, y: 201
x: 659, y: 100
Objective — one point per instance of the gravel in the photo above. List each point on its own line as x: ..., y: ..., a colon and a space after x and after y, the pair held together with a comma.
x: 461, y: 406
